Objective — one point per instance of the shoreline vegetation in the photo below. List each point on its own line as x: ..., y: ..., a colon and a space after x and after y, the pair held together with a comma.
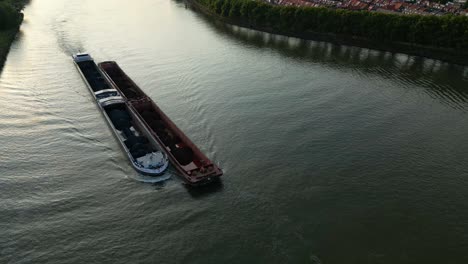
x: 11, y: 18
x: 438, y: 37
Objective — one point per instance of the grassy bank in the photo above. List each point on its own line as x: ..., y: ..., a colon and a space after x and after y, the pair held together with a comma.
x: 444, y: 38
x: 10, y: 21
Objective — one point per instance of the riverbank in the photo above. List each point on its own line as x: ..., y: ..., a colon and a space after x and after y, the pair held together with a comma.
x: 7, y: 35
x: 445, y: 54
x: 6, y: 39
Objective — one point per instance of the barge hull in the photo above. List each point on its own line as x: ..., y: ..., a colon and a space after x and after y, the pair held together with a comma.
x: 194, y: 166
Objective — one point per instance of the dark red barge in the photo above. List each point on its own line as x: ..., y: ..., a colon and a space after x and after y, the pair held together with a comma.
x: 194, y: 166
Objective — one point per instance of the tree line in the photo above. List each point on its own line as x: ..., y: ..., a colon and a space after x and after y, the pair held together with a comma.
x: 10, y: 15
x: 448, y: 31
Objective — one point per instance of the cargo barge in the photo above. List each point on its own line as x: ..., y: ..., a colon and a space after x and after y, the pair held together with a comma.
x: 142, y: 149
x: 194, y: 166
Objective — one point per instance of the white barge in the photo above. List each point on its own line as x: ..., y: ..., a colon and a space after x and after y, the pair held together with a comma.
x: 142, y: 149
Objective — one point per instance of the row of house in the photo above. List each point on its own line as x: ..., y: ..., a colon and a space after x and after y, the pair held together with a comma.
x: 421, y: 7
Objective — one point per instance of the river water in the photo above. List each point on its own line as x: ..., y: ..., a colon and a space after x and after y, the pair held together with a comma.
x: 332, y: 154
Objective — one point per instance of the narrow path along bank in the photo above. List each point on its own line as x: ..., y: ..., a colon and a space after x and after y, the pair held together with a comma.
x: 394, y: 33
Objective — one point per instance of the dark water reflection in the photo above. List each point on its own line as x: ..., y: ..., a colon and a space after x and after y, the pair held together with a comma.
x: 443, y: 81
x: 206, y: 190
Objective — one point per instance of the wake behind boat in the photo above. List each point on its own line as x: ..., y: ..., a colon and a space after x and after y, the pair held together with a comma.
x: 194, y: 166
x: 142, y: 149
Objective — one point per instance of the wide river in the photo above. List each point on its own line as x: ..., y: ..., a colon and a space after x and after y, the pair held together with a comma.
x: 332, y: 154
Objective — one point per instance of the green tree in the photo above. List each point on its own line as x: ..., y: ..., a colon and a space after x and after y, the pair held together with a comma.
x: 437, y: 31
x: 9, y: 16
